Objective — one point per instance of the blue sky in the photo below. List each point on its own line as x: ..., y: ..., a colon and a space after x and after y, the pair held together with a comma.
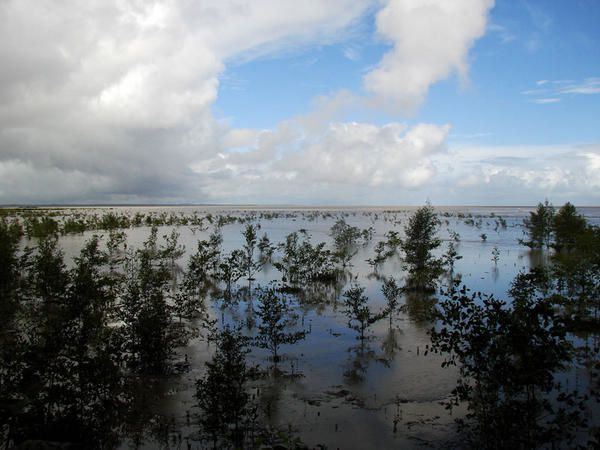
x: 382, y: 102
x: 525, y: 42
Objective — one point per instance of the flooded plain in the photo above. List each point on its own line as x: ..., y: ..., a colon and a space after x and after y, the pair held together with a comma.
x: 329, y: 389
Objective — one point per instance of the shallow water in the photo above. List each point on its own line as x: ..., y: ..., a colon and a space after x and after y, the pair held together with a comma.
x: 343, y: 395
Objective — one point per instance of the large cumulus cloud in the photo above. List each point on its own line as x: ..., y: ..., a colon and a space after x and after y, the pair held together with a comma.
x: 430, y: 40
x: 110, y: 100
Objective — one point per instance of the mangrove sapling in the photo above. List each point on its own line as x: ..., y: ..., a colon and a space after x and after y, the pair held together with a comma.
x: 316, y: 262
x: 95, y: 346
x: 230, y: 270
x: 392, y: 243
x: 576, y: 278
x: 115, y: 254
x: 495, y: 255
x: 41, y: 228
x: 112, y: 220
x: 508, y: 357
x: 450, y: 258
x: 265, y: 248
x: 568, y: 224
x: 172, y: 250
x: 188, y: 301
x: 391, y: 292
x: 148, y: 327
x: 116, y: 246
x: 539, y: 226
x: 186, y: 305
x: 91, y: 287
x: 249, y: 264
x: 48, y: 278
x: 222, y: 396
x: 73, y: 225
x: 10, y: 271
x: 289, y: 264
x: 386, y: 249
x: 276, y: 318
x: 379, y: 255
x: 13, y: 345
x: 302, y: 262
x: 345, y: 239
x: 454, y: 235
x: 204, y: 264
x: 418, y: 245
x: 360, y: 317
x: 367, y: 235
x: 69, y: 362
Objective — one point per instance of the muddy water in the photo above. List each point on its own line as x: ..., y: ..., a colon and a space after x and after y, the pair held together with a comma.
x: 386, y: 393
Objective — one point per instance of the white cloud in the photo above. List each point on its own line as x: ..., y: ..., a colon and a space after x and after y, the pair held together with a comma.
x: 505, y: 35
x: 585, y: 87
x: 358, y: 163
x: 111, y: 100
x: 543, y: 101
x: 364, y: 154
x: 121, y: 90
x: 431, y: 40
x: 310, y: 158
x: 554, y: 91
x: 519, y: 174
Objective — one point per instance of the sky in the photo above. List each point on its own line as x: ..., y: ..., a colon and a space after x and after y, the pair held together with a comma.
x: 337, y: 102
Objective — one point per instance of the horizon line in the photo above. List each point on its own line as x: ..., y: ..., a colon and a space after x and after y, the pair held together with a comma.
x: 258, y: 205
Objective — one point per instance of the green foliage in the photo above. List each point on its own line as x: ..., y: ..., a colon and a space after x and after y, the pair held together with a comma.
x: 393, y: 242
x: 111, y: 221
x: 391, y: 292
x: 508, y: 357
x: 495, y: 255
x: 36, y: 227
x: 226, y: 410
x: 71, y: 225
x: 539, y: 226
x: 360, y: 317
x: 568, y: 226
x: 10, y: 235
x: 265, y: 248
x: 380, y: 255
x: 576, y: 275
x: 450, y: 257
x: 303, y: 262
x: 172, y: 250
x: 418, y: 245
x: 65, y: 377
x: 386, y: 249
x: 367, y: 235
x: 231, y: 270
x: 150, y: 334
x: 250, y: 266
x: 12, y: 345
x: 204, y: 264
x: 345, y: 240
x: 48, y: 277
x: 276, y: 318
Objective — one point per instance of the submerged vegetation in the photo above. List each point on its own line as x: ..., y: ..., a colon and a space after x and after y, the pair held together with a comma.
x: 85, y: 341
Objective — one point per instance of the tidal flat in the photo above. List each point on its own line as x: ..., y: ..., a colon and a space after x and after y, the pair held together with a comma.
x: 330, y: 389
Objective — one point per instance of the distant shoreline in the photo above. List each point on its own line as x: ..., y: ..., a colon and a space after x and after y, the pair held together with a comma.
x: 256, y: 205
x: 252, y: 205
